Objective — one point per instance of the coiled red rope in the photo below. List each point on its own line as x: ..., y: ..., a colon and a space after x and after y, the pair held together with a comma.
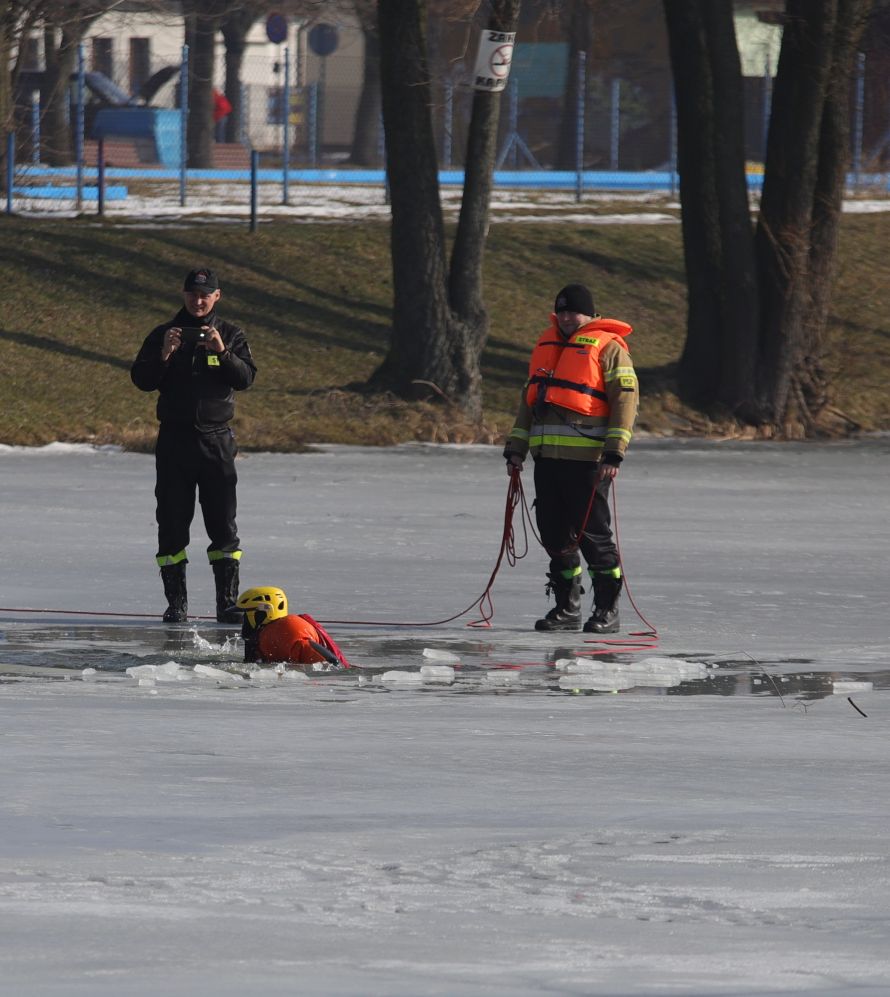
x: 484, y: 602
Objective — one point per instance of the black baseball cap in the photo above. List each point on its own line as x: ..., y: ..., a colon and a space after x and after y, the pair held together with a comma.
x: 201, y: 280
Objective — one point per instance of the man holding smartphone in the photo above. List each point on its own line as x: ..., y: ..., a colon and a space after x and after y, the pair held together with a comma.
x: 196, y: 362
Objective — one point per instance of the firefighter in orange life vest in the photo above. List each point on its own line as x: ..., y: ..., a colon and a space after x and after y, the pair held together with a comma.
x: 576, y: 418
x: 271, y: 635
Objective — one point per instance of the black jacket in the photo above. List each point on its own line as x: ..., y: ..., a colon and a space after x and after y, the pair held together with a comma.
x: 195, y: 391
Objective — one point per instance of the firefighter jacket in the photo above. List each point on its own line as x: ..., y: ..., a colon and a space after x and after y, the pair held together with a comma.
x: 580, y: 400
x: 196, y: 386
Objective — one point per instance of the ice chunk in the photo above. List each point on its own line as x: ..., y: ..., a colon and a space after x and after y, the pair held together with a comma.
x: 843, y: 688
x: 598, y: 683
x: 502, y: 678
x: 207, y: 671
x: 434, y: 654
x: 277, y: 676
x: 437, y: 674
x: 170, y: 671
x: 579, y: 666
x: 659, y: 673
x: 404, y: 679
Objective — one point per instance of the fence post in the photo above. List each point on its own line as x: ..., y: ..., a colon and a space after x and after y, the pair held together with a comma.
x: 766, y: 109
x: 381, y: 140
x: 10, y: 169
x: 254, y: 182
x: 579, y: 126
x: 514, y: 119
x: 100, y: 177
x: 254, y: 171
x: 244, y: 130
x: 672, y: 155
x: 313, y: 123
x: 447, y: 124
x: 35, y: 127
x: 285, y: 131
x: 615, y: 127
x: 858, y: 119
x: 79, y: 128
x: 183, y: 121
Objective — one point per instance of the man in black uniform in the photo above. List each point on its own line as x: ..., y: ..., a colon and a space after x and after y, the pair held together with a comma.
x: 196, y: 362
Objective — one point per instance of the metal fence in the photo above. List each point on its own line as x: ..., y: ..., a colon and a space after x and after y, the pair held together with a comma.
x: 618, y: 134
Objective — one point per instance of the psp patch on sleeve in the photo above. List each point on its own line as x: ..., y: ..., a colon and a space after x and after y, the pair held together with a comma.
x: 627, y: 383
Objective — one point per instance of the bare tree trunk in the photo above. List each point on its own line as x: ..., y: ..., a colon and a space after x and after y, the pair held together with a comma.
x: 439, y: 320
x: 465, y: 282
x: 234, y: 31
x: 420, y: 306
x: 717, y: 365
x: 202, y: 58
x: 800, y: 209
x: 7, y: 109
x: 61, y: 53
x: 773, y: 377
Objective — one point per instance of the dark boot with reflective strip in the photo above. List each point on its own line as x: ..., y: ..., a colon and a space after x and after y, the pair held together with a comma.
x: 173, y: 577
x: 566, y: 614
x: 225, y: 574
x: 606, y: 589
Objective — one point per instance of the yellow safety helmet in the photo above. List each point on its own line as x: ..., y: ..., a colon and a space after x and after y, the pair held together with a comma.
x: 261, y: 605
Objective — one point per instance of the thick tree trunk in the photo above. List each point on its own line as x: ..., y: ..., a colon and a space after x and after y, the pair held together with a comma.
x: 774, y: 378
x: 439, y: 320
x: 421, y: 317
x: 800, y: 209
x: 465, y: 281
x: 61, y: 54
x: 716, y: 368
x: 234, y: 31
x: 7, y: 111
x: 202, y: 59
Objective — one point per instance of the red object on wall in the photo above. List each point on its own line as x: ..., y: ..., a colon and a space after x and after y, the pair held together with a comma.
x: 221, y: 106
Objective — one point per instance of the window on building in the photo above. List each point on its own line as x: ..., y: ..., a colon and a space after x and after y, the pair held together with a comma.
x: 103, y: 56
x: 140, y: 62
x: 31, y: 55
x: 274, y: 105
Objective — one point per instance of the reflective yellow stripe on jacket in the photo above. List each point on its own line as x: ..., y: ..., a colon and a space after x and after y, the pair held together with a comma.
x: 566, y: 435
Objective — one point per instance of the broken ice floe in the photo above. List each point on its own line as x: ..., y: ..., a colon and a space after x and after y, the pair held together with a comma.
x: 433, y: 654
x: 426, y: 675
x: 606, y: 676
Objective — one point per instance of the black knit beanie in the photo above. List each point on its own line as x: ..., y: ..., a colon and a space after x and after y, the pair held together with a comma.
x: 575, y: 298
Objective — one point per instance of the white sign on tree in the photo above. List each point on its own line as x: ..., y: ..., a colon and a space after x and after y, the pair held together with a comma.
x: 493, y: 60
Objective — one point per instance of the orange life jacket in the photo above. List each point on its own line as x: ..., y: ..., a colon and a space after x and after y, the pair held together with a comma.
x: 567, y: 372
x: 290, y: 639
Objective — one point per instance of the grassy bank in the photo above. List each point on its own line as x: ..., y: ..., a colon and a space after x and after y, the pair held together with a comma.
x: 77, y: 299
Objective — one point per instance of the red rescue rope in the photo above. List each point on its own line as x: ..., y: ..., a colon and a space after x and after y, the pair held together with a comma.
x: 515, y: 498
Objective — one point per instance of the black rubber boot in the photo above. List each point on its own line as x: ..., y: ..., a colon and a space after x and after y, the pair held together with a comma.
x: 604, y: 620
x: 566, y: 614
x: 173, y: 577
x: 225, y: 574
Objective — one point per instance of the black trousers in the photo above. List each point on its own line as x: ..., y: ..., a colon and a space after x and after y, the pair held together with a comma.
x: 562, y: 494
x: 186, y: 460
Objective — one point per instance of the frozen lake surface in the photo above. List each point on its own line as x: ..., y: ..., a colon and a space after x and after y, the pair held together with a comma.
x: 472, y: 810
